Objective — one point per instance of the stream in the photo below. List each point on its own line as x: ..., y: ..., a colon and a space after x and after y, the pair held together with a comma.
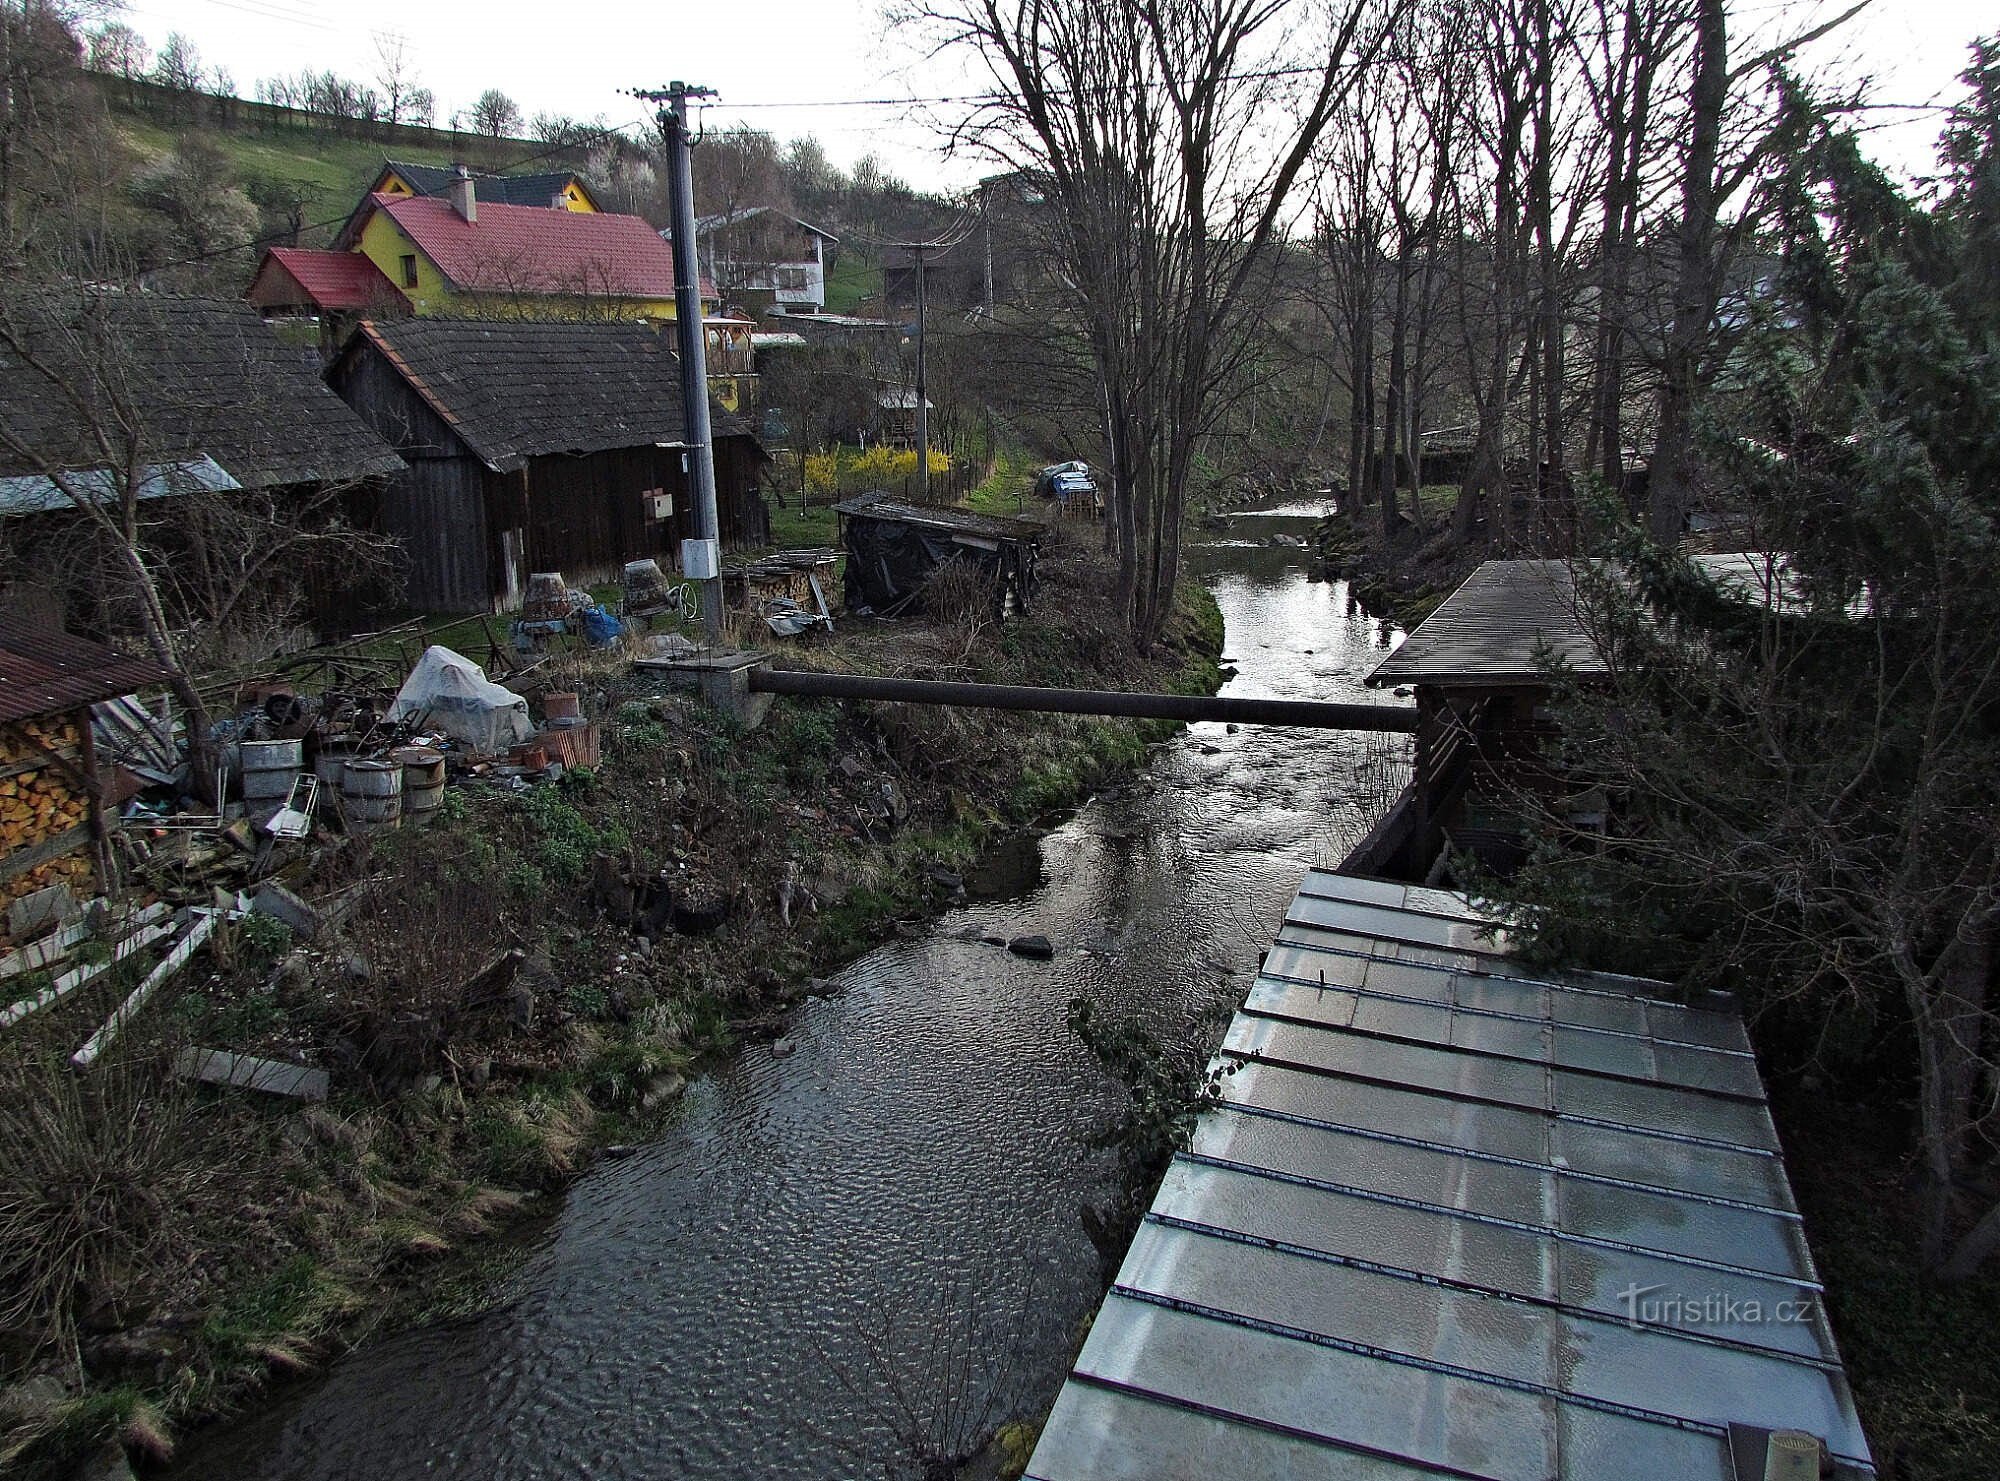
x: 875, y: 1241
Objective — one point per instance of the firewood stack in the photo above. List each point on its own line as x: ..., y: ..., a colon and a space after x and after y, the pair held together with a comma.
x: 41, y: 802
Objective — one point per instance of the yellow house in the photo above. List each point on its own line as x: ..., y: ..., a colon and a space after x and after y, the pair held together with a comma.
x: 559, y: 190
x: 459, y: 255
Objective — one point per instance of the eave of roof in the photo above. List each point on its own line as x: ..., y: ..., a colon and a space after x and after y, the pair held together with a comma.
x: 45, y: 672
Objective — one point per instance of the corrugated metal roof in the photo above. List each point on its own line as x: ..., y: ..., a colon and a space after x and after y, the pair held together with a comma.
x: 50, y: 672
x: 38, y: 493
x: 1457, y: 1215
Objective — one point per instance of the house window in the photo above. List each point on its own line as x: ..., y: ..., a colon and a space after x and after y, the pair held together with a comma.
x: 409, y: 270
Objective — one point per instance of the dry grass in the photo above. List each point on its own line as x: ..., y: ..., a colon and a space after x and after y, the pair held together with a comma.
x: 99, y: 1176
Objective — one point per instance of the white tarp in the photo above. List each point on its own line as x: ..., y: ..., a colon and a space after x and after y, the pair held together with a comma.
x: 449, y: 692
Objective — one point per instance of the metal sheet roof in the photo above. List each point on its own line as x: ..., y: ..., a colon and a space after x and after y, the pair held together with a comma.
x: 1492, y: 630
x: 44, y: 671
x: 1457, y: 1215
x: 879, y: 505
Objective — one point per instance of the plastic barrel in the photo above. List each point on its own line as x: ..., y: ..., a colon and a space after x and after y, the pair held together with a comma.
x: 371, y: 795
x: 423, y: 780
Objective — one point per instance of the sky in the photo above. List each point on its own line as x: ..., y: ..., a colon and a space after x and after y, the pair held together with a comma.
x: 799, y: 66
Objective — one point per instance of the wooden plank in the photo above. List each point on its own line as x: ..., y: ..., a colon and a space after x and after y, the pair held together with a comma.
x: 76, y: 977
x: 199, y: 931
x: 219, y: 1067
x: 39, y: 954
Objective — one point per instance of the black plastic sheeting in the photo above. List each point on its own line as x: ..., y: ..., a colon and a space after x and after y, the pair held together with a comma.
x: 889, y: 563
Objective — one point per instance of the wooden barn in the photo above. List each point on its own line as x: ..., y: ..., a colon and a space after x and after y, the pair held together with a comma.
x: 536, y: 446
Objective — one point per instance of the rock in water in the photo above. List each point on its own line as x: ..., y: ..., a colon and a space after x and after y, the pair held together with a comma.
x: 1034, y: 948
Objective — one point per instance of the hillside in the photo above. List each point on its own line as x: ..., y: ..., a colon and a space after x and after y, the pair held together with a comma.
x: 279, y: 152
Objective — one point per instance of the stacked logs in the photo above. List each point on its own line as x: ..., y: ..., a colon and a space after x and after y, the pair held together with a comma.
x: 42, y: 797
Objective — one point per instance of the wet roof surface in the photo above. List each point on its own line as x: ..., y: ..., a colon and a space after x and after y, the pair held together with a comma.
x: 1456, y: 1215
x: 1495, y: 628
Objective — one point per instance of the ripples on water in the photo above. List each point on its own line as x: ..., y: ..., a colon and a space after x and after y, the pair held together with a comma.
x: 816, y: 1235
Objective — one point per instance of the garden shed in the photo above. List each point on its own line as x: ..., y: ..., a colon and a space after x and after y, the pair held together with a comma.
x: 536, y: 446
x: 893, y: 549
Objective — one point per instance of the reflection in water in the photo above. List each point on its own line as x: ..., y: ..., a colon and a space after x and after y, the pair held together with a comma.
x: 745, y: 1297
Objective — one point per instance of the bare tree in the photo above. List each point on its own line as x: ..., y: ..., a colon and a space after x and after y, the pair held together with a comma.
x: 119, y: 51
x: 50, y: 141
x: 179, y: 68
x: 1169, y: 134
x: 495, y: 115
x: 395, y: 77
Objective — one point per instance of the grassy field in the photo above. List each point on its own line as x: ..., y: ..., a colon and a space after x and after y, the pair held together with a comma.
x: 854, y: 285
x: 1009, y: 487
x: 333, y: 171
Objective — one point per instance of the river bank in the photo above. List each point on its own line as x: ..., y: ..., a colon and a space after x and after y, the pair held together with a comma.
x: 666, y: 907
x: 868, y: 1242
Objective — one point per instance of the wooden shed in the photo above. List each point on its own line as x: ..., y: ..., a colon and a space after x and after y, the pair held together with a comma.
x: 52, y: 797
x: 536, y: 446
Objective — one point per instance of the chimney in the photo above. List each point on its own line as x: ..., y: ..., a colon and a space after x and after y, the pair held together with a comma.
x: 463, y: 198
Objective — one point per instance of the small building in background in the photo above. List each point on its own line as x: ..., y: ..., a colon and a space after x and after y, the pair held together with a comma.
x: 457, y: 254
x: 764, y: 258
x: 333, y: 291
x: 536, y: 445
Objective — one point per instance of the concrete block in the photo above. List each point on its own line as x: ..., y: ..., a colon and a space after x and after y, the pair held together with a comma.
x: 274, y: 900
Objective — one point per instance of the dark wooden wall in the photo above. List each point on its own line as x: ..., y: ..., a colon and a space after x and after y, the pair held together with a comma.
x: 465, y: 529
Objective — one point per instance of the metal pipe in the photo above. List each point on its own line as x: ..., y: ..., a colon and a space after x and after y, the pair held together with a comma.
x: 1315, y: 714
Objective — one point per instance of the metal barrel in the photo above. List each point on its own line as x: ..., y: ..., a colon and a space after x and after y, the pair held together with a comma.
x: 423, y: 780
x: 330, y: 762
x: 1318, y: 714
x: 371, y: 795
x: 269, y: 768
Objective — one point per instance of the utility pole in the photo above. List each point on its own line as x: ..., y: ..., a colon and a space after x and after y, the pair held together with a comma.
x: 701, y: 557
x: 917, y: 251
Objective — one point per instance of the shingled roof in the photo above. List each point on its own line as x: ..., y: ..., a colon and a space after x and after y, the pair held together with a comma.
x: 519, y: 389
x: 523, y: 249
x: 198, y: 377
x: 332, y: 282
x: 506, y: 190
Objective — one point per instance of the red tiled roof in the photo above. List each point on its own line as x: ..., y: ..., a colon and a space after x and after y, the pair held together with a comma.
x: 334, y: 281
x: 44, y: 671
x: 527, y: 249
